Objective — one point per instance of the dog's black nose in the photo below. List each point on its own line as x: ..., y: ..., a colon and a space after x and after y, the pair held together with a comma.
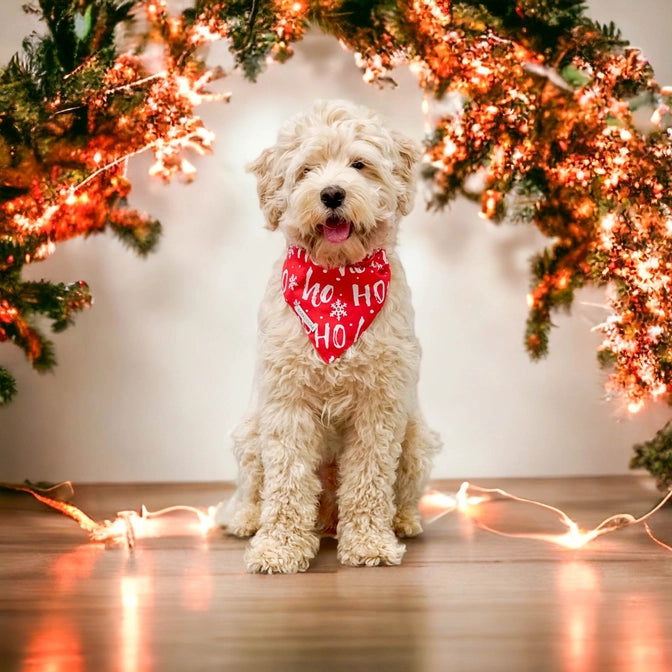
x: 332, y: 196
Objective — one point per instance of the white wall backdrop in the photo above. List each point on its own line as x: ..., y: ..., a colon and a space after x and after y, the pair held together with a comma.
x: 152, y: 379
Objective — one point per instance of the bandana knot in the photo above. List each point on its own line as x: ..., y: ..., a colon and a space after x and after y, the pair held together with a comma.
x: 335, y: 305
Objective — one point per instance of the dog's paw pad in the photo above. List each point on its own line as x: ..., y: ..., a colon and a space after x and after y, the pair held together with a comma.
x: 407, y: 524
x: 371, y: 551
x: 267, y: 554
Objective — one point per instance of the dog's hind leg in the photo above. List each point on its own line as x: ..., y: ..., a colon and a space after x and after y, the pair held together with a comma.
x: 417, y: 449
x: 241, y: 515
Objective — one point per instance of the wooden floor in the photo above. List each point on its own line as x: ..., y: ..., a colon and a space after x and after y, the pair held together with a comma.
x: 464, y: 599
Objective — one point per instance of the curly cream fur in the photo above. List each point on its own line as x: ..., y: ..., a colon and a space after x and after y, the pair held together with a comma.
x: 359, y: 413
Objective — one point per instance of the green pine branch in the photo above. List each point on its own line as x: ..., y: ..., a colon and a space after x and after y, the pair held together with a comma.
x: 655, y: 456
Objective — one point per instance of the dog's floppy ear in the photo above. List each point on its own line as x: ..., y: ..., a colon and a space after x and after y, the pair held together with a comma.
x: 269, y: 183
x: 409, y: 154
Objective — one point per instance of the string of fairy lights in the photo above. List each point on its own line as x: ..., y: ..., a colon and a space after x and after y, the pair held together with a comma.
x: 470, y: 501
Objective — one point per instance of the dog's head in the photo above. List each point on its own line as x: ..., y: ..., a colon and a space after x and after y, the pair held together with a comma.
x: 337, y: 182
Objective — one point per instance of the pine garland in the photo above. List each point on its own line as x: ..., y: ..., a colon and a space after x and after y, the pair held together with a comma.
x: 544, y: 129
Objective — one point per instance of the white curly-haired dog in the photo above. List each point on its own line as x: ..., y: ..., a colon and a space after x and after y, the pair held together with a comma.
x: 334, y: 427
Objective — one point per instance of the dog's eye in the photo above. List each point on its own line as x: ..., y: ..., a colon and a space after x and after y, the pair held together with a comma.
x: 305, y: 170
x: 357, y: 165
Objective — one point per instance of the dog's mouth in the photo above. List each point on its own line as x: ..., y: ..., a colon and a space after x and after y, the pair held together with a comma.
x: 335, y: 230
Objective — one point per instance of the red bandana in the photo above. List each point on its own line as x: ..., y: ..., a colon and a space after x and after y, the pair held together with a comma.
x: 335, y: 305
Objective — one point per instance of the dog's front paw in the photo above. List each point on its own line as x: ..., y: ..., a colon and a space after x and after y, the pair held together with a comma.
x: 280, y: 552
x: 370, y: 548
x: 407, y: 523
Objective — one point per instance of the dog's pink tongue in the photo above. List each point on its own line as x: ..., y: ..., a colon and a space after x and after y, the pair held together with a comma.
x: 337, y: 232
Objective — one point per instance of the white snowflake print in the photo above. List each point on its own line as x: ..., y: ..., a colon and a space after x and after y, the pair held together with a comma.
x: 338, y: 309
x: 293, y: 283
x: 376, y: 265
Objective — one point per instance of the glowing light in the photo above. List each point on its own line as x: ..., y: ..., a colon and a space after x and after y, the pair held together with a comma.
x: 449, y: 148
x: 439, y: 10
x: 658, y: 113
x: 435, y: 504
x: 45, y: 250
x: 465, y: 501
x: 33, y: 225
